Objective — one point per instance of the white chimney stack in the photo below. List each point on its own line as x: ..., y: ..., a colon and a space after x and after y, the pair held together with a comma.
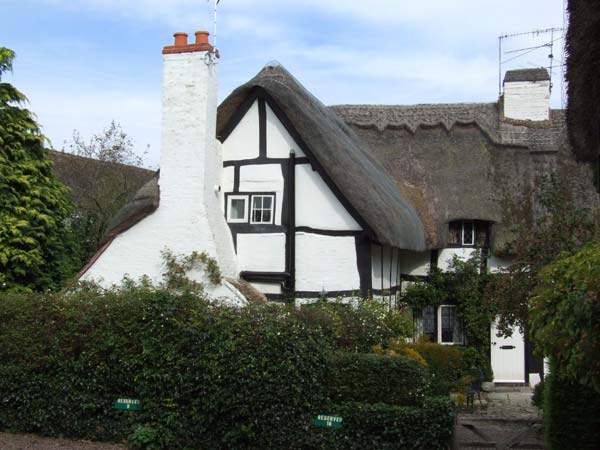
x: 527, y: 94
x: 189, y: 217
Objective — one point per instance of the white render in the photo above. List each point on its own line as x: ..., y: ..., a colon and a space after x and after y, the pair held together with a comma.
x: 415, y: 263
x: 279, y: 141
x: 326, y: 262
x: 243, y: 143
x: 527, y: 100
x: 264, y: 178
x: 189, y: 216
x: 261, y: 252
x: 446, y: 256
x: 386, y: 276
x: 318, y: 207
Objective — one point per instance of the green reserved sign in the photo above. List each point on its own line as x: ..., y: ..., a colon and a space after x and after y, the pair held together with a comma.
x: 128, y: 404
x: 327, y: 421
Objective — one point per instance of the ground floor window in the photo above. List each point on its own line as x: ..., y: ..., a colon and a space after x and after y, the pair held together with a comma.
x: 439, y: 324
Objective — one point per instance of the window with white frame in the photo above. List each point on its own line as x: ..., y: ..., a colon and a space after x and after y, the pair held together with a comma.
x: 449, y: 329
x: 237, y: 208
x: 262, y: 209
x: 466, y: 233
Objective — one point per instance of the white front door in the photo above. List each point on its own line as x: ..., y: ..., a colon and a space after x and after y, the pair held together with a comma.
x: 508, y: 357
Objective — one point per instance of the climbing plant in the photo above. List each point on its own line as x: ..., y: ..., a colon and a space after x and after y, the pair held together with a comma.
x: 464, y: 285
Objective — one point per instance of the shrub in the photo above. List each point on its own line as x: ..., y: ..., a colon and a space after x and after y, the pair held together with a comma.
x: 445, y: 363
x: 357, y: 326
x: 571, y: 414
x: 372, y: 378
x: 207, y: 376
x: 537, y: 399
x: 387, y: 427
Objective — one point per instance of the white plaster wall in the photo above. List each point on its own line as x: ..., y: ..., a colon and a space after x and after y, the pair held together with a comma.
x: 316, y: 206
x: 415, y: 263
x: 243, y: 142
x: 189, y: 217
x: 384, y: 280
x: 447, y: 254
x: 496, y: 263
x: 261, y: 252
x: 264, y: 178
x: 267, y: 288
x: 279, y: 141
x: 527, y: 100
x: 326, y: 262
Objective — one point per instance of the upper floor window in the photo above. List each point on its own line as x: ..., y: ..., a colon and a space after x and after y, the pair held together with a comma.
x: 237, y: 208
x: 468, y: 233
x: 262, y: 209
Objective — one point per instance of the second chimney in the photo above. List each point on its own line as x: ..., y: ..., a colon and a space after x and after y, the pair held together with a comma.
x: 527, y: 94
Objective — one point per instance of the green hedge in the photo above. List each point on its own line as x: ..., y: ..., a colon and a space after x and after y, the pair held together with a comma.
x: 372, y: 378
x: 387, y: 427
x: 207, y: 376
x: 571, y: 415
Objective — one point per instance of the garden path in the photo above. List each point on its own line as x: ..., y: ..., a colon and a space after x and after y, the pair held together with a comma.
x: 506, y: 419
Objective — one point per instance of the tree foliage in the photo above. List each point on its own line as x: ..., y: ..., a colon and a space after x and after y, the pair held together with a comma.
x: 34, y: 205
x: 561, y: 224
x: 103, y: 180
x: 565, y: 314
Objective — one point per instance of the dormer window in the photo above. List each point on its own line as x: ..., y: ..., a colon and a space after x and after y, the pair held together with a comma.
x: 468, y: 233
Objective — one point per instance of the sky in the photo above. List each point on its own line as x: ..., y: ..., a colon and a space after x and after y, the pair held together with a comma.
x: 84, y: 63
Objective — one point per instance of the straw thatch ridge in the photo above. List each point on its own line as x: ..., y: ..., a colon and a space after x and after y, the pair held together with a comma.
x: 335, y: 147
x: 462, y: 161
x: 583, y: 77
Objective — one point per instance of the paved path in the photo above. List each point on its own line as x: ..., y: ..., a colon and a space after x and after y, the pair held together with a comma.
x: 9, y: 441
x: 506, y: 419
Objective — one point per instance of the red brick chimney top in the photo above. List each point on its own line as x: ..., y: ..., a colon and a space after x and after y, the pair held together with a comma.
x: 181, y: 45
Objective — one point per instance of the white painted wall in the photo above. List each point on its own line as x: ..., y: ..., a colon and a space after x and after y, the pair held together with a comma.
x: 261, y: 252
x: 279, y: 141
x: 316, y: 206
x: 415, y: 263
x: 390, y: 262
x: 527, y: 100
x: 495, y: 263
x: 264, y: 178
x: 189, y: 217
x: 446, y: 255
x: 267, y: 288
x: 243, y: 142
x: 326, y: 262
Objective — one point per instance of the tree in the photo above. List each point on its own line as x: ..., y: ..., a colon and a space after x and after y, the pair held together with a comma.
x: 565, y: 314
x: 560, y: 224
x: 35, y: 249
x: 103, y: 179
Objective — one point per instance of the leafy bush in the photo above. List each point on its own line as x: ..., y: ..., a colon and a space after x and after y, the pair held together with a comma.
x: 571, y: 414
x: 372, y: 378
x: 387, y: 427
x: 445, y: 363
x: 207, y: 376
x: 537, y: 399
x: 565, y: 313
x: 358, y: 326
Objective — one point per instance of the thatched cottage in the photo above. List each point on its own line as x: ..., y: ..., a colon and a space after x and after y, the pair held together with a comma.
x: 303, y: 200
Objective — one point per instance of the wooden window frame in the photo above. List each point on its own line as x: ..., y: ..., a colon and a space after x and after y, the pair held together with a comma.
x: 231, y: 197
x: 272, y: 209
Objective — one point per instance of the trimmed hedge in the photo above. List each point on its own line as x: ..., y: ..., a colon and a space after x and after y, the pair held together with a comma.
x: 207, y: 376
x: 373, y: 378
x: 386, y: 427
x: 571, y: 415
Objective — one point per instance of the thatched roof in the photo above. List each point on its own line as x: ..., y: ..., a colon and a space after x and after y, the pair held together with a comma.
x: 344, y: 158
x: 583, y: 77
x: 535, y: 74
x: 461, y: 161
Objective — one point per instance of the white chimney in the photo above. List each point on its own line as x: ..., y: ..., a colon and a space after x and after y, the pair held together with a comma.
x: 189, y: 217
x: 527, y: 94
